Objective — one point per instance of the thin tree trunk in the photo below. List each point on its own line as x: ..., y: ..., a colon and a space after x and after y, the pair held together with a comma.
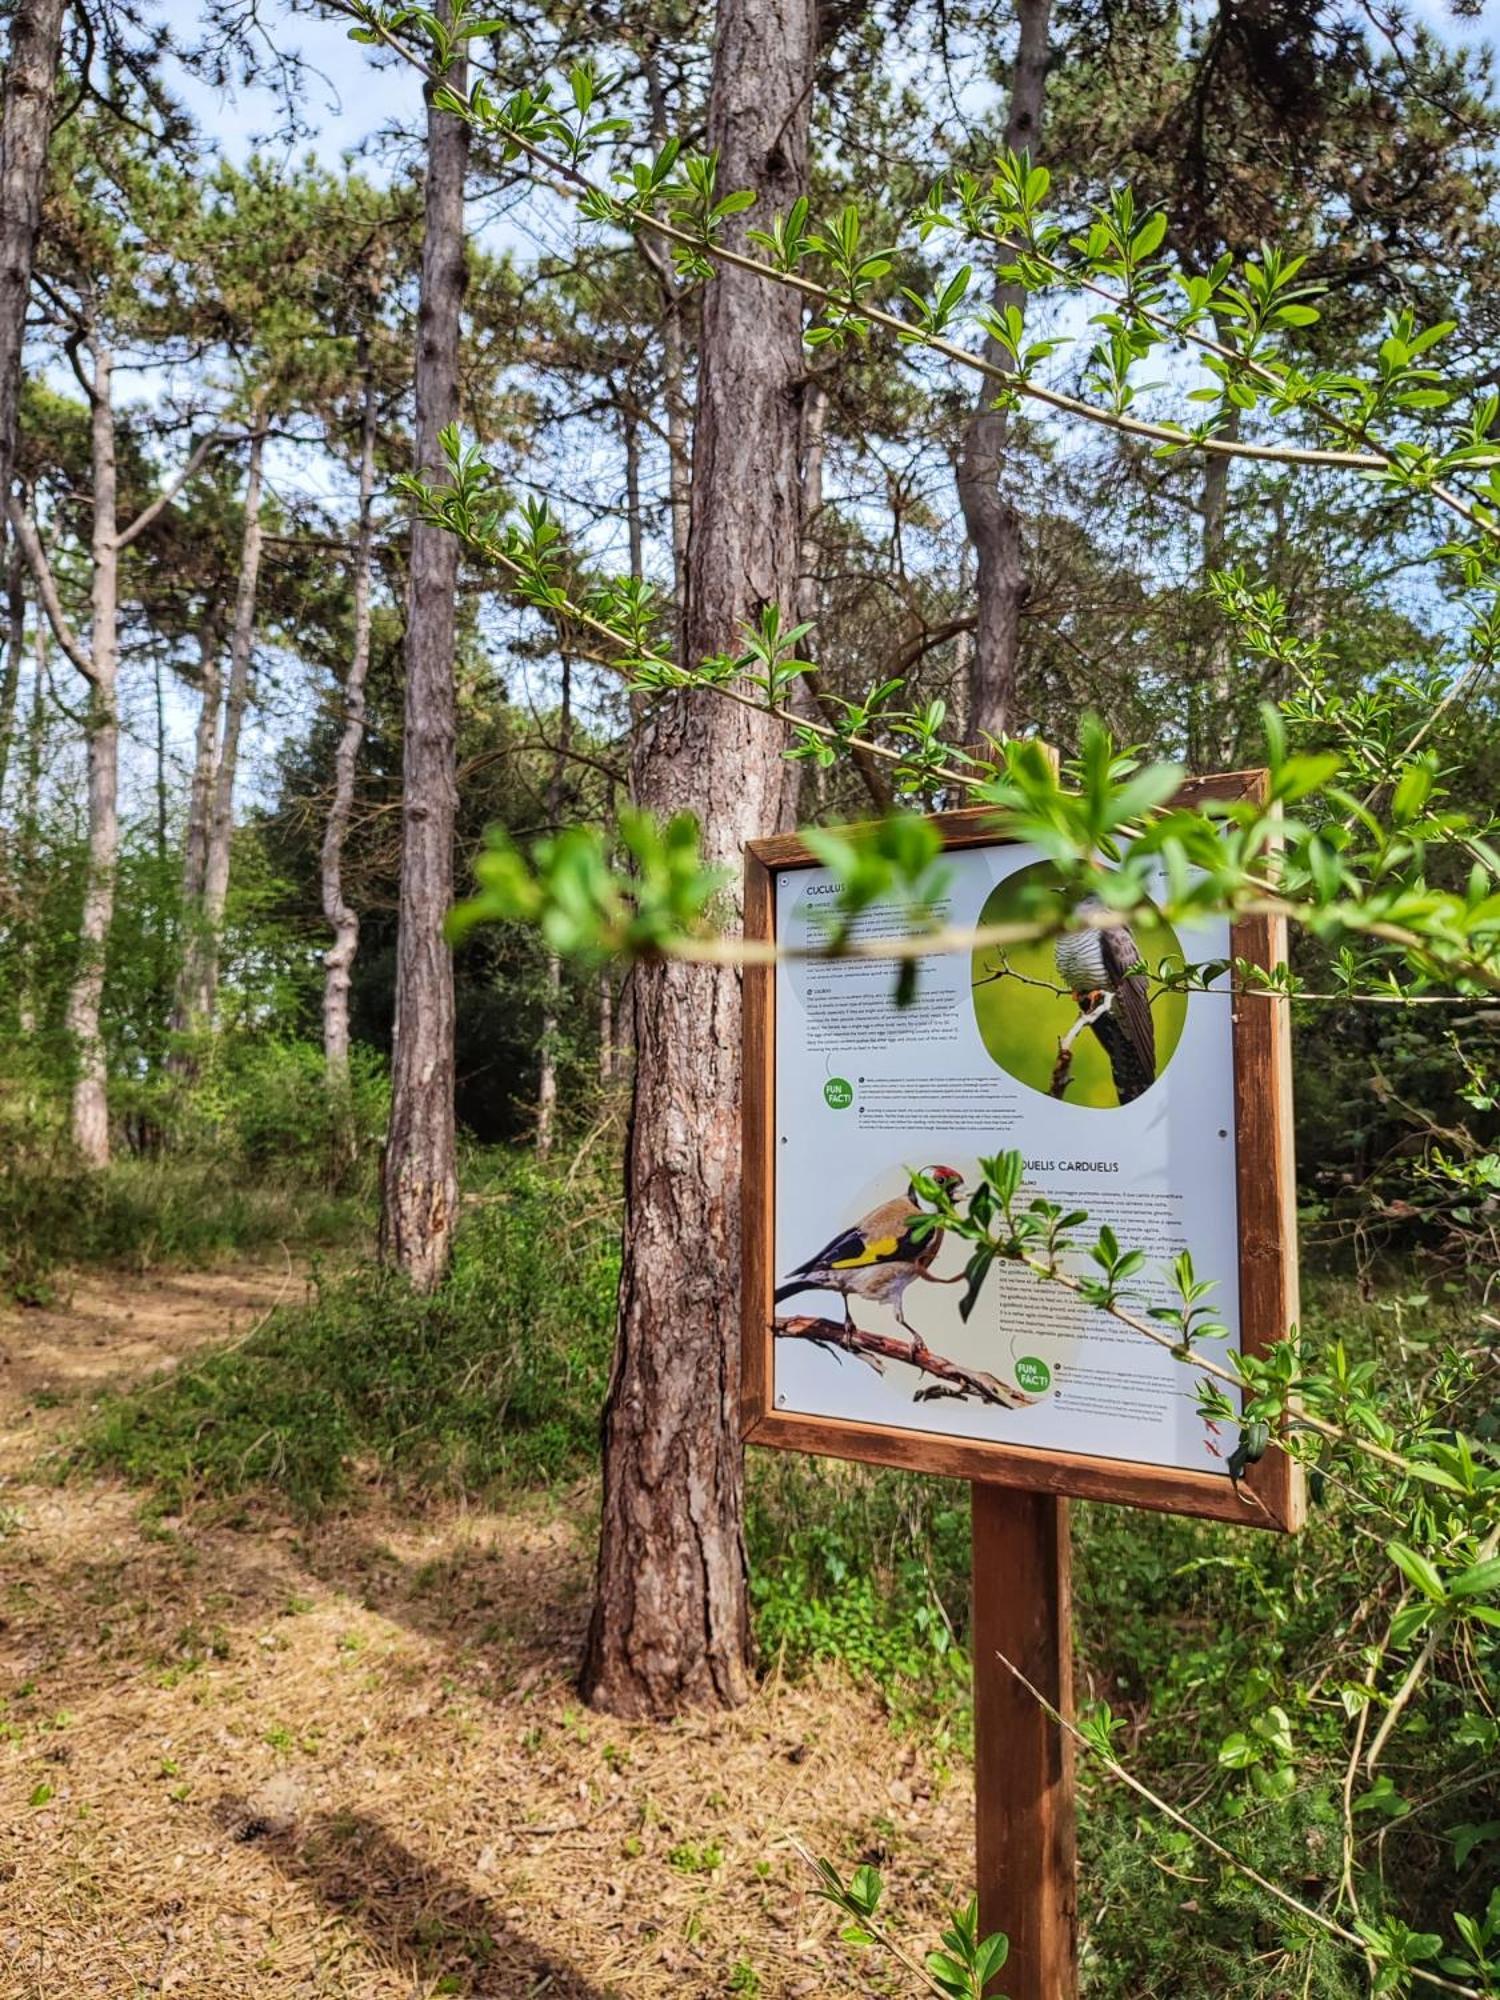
x: 25, y: 127
x: 1212, y: 729
x: 15, y: 647
x: 205, y: 762
x: 420, y: 1177
x: 679, y: 445
x: 804, y: 697
x: 546, y: 1095
x: 606, y: 1028
x: 670, y: 1627
x: 338, y: 961
x: 993, y: 524
x: 201, y: 965
x: 180, y: 1058
x: 631, y: 432
x: 29, y: 830
x: 86, y: 995
x: 673, y: 370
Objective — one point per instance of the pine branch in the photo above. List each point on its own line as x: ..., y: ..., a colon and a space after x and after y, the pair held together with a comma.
x: 25, y: 532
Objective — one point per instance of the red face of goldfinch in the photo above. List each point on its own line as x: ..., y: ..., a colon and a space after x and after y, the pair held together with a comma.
x: 949, y: 1179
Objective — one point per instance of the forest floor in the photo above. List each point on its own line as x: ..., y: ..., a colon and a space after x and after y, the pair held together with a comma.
x: 242, y: 1755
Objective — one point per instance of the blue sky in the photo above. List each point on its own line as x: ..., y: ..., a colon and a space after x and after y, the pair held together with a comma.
x: 352, y: 99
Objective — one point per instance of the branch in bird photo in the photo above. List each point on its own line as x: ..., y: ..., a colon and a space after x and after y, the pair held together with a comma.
x: 950, y: 1378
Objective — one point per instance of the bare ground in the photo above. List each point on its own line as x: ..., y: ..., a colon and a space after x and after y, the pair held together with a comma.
x: 241, y: 1757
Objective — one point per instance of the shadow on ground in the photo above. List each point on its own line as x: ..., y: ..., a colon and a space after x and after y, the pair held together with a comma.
x: 413, y: 1915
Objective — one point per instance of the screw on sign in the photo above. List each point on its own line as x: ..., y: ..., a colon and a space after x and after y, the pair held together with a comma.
x: 1067, y: 1075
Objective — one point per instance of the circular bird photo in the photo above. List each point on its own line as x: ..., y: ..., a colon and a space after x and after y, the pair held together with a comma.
x: 1082, y: 1017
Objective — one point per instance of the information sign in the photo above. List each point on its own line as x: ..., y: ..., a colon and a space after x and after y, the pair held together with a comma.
x: 1163, y: 1113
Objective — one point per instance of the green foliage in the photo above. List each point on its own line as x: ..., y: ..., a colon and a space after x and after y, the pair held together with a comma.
x: 263, y: 1104
x: 961, y: 1969
x: 866, y: 1568
x: 498, y: 1378
x: 142, y: 1214
x: 242, y: 1157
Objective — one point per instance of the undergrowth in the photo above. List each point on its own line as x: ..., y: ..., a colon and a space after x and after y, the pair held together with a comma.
x: 496, y: 1380
x: 242, y: 1153
x: 140, y: 1214
x: 1224, y: 1654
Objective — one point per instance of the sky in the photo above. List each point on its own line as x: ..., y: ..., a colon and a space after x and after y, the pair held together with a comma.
x: 354, y: 102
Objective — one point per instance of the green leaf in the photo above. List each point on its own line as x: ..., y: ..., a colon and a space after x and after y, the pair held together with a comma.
x: 1417, y: 1570
x: 1479, y: 1580
x: 949, y: 1974
x: 1238, y: 1753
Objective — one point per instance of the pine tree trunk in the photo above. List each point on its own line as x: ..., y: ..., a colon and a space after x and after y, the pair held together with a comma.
x: 419, y: 1193
x: 1211, y: 733
x: 673, y: 367
x: 796, y: 775
x: 15, y: 647
x: 195, y: 839
x: 29, y: 828
x: 670, y: 1627
x: 546, y: 1095
x: 205, y: 762
x: 338, y: 961
x: 993, y: 524
x: 200, y: 978
x: 90, y: 1118
x: 606, y: 1028
x: 25, y: 127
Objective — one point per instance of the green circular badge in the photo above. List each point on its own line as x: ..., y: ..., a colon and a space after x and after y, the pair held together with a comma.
x: 1033, y: 1375
x: 838, y: 1093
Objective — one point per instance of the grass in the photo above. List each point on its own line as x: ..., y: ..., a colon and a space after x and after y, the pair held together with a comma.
x: 142, y: 1214
x: 496, y: 1381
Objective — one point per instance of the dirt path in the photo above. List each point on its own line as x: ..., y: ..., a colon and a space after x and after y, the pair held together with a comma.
x: 242, y: 1758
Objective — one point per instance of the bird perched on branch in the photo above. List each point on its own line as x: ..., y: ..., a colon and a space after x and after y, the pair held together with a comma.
x: 1101, y: 966
x: 878, y: 1256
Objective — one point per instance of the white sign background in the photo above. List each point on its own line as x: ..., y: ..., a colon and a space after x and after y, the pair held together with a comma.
x: 926, y: 1092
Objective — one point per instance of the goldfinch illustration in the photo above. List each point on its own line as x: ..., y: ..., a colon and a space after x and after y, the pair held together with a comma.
x: 1101, y: 970
x: 878, y: 1256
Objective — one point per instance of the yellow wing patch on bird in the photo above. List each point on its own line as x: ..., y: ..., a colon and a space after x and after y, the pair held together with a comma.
x: 876, y: 1250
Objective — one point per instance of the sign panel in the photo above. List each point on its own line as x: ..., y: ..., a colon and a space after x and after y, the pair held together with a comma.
x: 1163, y: 1114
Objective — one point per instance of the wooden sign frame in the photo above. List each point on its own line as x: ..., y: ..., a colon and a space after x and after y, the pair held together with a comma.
x: 1271, y: 1494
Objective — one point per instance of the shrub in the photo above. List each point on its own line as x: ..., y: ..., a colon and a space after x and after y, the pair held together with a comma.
x: 497, y: 1378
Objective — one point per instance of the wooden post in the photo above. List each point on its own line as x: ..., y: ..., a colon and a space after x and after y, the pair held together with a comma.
x: 1023, y: 1762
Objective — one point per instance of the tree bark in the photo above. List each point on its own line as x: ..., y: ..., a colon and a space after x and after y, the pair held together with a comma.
x: 195, y: 837
x: 86, y: 994
x: 546, y: 1095
x: 420, y: 1176
x: 15, y: 647
x: 205, y: 761
x: 204, y: 987
x: 606, y: 1027
x: 29, y: 828
x: 673, y: 368
x: 338, y: 960
x: 670, y: 1628
x: 1211, y: 731
x: 25, y: 128
x: 804, y: 699
x: 993, y: 524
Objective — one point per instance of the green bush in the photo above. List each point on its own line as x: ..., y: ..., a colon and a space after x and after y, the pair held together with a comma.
x: 247, y: 1153
x: 497, y: 1379
x: 264, y: 1103
x: 144, y: 1213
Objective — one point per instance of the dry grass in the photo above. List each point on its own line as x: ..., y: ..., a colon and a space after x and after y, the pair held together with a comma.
x: 244, y: 1759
